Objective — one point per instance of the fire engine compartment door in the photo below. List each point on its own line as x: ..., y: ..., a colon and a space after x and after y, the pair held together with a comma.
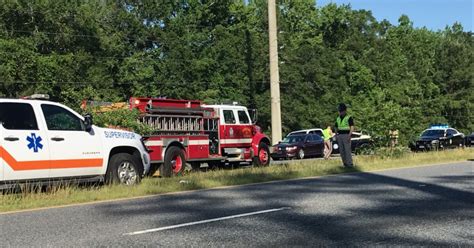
x: 211, y: 128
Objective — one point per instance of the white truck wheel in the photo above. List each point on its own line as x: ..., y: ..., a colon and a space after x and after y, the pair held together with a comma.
x: 123, y: 169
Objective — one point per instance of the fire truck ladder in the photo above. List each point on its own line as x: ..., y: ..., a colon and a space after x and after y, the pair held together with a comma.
x: 181, y: 121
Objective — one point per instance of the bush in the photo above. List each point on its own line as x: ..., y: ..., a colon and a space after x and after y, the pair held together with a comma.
x: 121, y: 119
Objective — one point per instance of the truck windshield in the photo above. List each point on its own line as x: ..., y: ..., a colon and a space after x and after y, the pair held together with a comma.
x: 433, y: 133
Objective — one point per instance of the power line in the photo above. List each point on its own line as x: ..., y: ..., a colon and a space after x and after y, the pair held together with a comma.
x: 145, y: 56
x: 125, y: 83
x: 87, y: 55
x: 147, y: 30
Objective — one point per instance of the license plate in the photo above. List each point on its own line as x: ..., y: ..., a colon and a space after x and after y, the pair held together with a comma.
x: 421, y: 146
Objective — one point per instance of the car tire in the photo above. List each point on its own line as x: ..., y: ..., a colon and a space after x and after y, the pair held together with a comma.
x: 124, y: 169
x: 301, y: 154
x: 174, y: 163
x: 263, y: 155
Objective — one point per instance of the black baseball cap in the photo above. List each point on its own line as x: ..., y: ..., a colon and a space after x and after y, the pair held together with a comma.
x: 341, y: 107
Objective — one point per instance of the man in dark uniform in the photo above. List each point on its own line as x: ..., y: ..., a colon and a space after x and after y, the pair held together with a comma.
x: 344, y: 128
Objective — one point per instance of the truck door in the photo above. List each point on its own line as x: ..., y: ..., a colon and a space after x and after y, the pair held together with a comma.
x: 245, y: 128
x: 236, y: 132
x: 228, y: 122
x: 74, y: 152
x: 24, y: 149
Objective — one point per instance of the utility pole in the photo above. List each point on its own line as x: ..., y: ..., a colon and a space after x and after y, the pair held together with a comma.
x: 274, y: 75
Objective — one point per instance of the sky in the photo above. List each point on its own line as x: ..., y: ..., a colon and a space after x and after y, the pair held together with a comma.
x: 433, y: 14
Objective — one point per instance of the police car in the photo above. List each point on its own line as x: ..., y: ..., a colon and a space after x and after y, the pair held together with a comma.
x: 44, y: 141
x: 438, y: 136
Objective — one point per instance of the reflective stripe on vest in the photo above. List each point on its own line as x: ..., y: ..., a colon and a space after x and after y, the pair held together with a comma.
x: 326, y: 134
x: 344, y: 123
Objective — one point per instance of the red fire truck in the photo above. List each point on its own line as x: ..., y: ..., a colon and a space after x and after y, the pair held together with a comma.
x: 190, y: 132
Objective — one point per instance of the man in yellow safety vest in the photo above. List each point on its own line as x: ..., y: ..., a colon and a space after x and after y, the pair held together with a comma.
x: 344, y: 128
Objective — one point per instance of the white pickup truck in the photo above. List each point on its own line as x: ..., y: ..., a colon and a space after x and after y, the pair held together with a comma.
x: 44, y: 141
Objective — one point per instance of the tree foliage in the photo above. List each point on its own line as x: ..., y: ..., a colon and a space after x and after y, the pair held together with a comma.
x: 394, y: 76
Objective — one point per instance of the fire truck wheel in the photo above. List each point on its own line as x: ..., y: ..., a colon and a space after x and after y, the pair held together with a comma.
x: 123, y: 168
x: 174, y: 163
x: 263, y: 156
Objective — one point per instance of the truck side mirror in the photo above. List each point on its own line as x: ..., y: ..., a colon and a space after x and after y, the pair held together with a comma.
x: 253, y: 115
x: 88, y: 122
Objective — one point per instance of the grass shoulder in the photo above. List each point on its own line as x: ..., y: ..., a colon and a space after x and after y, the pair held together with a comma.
x: 204, y: 180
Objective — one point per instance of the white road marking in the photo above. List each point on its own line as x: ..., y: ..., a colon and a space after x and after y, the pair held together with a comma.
x: 207, y: 221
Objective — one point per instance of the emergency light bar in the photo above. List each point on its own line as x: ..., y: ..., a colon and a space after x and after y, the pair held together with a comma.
x: 439, y: 126
x: 37, y: 97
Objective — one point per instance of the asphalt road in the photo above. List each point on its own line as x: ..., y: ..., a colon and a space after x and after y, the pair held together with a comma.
x: 429, y: 206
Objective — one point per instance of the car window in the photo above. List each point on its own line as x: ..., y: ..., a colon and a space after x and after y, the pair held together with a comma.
x: 317, y: 137
x: 243, y: 117
x: 318, y: 132
x: 18, y: 116
x: 61, y: 119
x: 229, y: 117
x: 451, y: 132
x: 297, y: 133
x: 309, y: 138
